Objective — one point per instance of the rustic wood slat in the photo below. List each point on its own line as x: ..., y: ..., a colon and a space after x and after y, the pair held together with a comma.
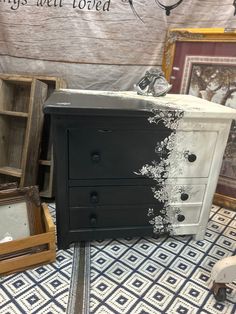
x: 23, y: 262
x: 33, y: 133
x: 11, y: 171
x: 14, y: 113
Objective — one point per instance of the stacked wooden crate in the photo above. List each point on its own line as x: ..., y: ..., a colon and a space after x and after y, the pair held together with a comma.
x: 25, y: 143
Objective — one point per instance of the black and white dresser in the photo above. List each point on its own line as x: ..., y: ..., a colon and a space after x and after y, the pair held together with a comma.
x: 130, y: 165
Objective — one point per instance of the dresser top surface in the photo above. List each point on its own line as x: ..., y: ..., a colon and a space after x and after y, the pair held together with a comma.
x: 72, y: 101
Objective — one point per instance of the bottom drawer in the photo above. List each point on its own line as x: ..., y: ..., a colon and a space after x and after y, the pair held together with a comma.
x: 108, y: 217
x: 128, y: 216
x: 186, y: 214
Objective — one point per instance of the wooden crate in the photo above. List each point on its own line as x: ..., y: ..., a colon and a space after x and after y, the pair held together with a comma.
x: 19, y: 255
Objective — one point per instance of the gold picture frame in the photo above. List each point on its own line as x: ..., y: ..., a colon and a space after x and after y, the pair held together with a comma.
x: 206, y: 44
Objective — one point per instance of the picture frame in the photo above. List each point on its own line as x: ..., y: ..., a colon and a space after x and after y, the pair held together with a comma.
x: 202, y: 62
x: 20, y: 211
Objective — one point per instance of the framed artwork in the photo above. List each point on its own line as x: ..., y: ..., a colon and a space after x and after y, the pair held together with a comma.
x: 20, y: 213
x: 202, y: 62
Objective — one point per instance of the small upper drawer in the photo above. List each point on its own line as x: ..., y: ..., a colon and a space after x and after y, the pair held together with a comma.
x: 192, y: 154
x: 108, y: 153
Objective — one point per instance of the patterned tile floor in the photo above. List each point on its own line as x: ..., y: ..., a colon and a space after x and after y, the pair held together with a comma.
x: 168, y: 275
x: 42, y: 290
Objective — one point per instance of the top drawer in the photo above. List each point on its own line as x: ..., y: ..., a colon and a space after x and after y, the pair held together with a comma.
x: 109, y: 154
x: 193, y: 154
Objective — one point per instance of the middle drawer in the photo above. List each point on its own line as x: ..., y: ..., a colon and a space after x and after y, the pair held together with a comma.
x: 133, y: 194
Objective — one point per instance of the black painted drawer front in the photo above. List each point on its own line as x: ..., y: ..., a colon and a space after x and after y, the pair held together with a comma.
x: 110, y: 195
x: 107, y: 153
x: 108, y: 216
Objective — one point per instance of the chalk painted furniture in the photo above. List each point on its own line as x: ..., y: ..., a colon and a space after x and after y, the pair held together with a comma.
x: 130, y: 165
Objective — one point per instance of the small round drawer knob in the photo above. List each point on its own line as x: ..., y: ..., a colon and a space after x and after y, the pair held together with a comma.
x: 184, y: 196
x: 93, y: 220
x: 180, y: 218
x: 95, y: 157
x: 192, y: 157
x: 94, y: 197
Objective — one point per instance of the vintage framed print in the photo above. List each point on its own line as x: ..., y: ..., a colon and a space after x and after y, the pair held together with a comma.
x: 20, y: 213
x: 202, y: 62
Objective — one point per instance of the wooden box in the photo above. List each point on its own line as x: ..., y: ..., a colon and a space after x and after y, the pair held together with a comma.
x: 31, y: 251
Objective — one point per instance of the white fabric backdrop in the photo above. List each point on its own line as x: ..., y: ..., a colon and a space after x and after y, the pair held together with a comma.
x: 97, y: 49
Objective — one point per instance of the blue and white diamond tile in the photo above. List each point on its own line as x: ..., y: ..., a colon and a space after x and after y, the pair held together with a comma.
x: 103, y: 310
x: 16, y: 285
x: 228, y: 213
x: 215, y: 208
x: 180, y: 306
x: 4, y: 299
x: 122, y: 300
x: 221, y: 219
x: 231, y: 233
x: 55, y: 284
x: 138, y: 284
x: 171, y: 280
x: 202, y: 246
x: 211, y: 235
x: 94, y: 273
x: 50, y: 308
x: 194, y: 293
x: 143, y: 308
x: 227, y: 243
x: 33, y: 300
x: 101, y: 261
x: 132, y: 259
x: 192, y: 254
x: 11, y: 308
x: 118, y: 272
x: 233, y: 224
x: 115, y: 249
x: 215, y: 226
x: 208, y: 262
x: 219, y: 252
x: 40, y: 273
x: 151, y: 269
x: 102, y: 286
x: 202, y: 277
x: 145, y: 246
x: 158, y: 297
x: 173, y: 245
x: 182, y: 266
x: 231, y: 293
x: 94, y: 303
x: 214, y: 307
x: 163, y: 257
x: 164, y: 275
